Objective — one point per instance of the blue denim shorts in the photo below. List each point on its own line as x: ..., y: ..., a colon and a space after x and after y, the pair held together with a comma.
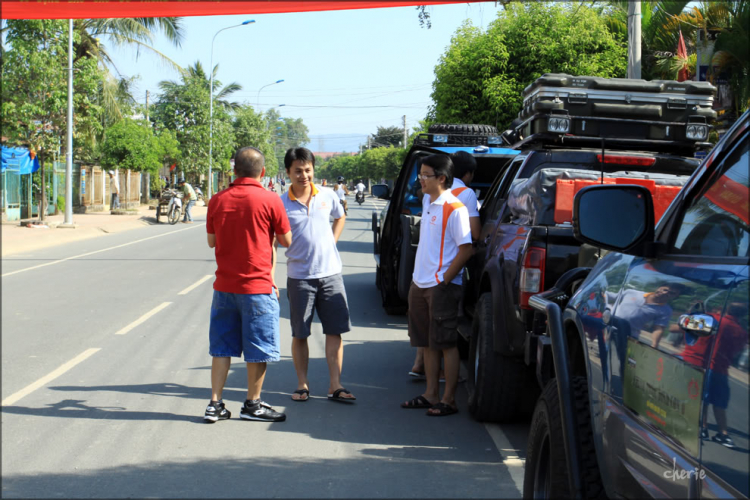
x: 243, y: 323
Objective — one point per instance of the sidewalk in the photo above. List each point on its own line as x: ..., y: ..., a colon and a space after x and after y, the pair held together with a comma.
x: 17, y: 239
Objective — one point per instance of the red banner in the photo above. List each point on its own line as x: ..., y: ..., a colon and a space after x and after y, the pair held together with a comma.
x: 90, y: 9
x: 731, y: 196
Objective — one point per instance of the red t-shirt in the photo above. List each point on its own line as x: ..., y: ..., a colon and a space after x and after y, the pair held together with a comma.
x: 244, y: 217
x: 730, y: 339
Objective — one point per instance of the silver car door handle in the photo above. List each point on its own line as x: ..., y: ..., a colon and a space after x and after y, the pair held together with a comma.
x: 699, y: 324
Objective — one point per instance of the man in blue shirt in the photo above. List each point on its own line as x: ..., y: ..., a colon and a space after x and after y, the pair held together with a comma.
x: 314, y: 279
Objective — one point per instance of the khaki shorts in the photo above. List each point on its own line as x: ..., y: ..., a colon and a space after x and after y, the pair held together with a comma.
x: 433, y: 316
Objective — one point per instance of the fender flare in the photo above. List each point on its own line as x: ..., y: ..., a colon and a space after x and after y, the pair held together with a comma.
x: 502, y: 342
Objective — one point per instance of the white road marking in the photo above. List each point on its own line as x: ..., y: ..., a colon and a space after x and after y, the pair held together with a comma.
x: 143, y: 318
x: 49, y: 378
x: 196, y: 285
x: 510, y: 454
x: 99, y: 251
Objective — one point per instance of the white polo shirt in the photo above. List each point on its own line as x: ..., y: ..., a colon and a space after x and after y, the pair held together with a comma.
x: 313, y: 253
x: 444, y: 227
x: 467, y: 196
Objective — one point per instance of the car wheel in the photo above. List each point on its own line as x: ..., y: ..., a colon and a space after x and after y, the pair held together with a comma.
x: 450, y: 128
x: 546, y: 474
x: 501, y: 388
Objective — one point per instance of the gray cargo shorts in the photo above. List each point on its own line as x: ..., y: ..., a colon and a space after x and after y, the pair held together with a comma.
x: 327, y: 296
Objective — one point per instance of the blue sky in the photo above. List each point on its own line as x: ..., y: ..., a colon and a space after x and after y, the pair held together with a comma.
x: 355, y: 58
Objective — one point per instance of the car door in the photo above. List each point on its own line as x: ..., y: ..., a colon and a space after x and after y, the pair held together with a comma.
x: 666, y: 324
x: 489, y: 214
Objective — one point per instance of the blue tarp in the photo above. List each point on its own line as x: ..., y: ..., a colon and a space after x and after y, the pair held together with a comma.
x: 21, y: 159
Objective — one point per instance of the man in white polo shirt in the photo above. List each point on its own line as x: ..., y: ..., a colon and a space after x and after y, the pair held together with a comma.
x: 464, y: 166
x: 444, y: 247
x: 314, y: 281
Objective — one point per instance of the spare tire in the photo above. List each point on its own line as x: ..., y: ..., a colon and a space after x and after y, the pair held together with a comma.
x: 453, y: 128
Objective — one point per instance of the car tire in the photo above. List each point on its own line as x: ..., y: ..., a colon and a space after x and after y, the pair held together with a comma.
x: 546, y: 474
x: 377, y: 277
x: 501, y: 388
x: 450, y: 128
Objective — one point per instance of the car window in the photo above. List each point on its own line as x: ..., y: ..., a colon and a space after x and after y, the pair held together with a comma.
x: 413, y: 193
x: 499, y: 191
x: 716, y: 223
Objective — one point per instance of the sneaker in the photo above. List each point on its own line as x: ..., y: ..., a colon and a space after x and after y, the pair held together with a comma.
x: 216, y: 411
x: 262, y: 412
x: 704, y: 433
x: 723, y: 439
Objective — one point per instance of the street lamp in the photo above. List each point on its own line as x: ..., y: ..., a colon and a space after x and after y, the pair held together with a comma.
x: 257, y: 101
x: 211, y: 108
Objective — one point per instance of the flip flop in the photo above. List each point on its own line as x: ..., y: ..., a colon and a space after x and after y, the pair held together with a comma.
x: 443, y: 410
x: 301, y: 392
x: 336, y: 396
x: 418, y: 402
x: 417, y: 375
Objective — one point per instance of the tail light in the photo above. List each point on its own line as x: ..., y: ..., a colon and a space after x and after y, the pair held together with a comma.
x: 639, y: 161
x: 532, y: 275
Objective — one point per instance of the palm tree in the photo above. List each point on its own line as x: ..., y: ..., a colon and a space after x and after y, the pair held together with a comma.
x: 197, y: 73
x: 660, y: 31
x: 138, y: 32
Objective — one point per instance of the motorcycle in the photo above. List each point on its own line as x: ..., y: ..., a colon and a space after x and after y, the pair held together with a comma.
x: 360, y: 197
x: 170, y: 204
x: 198, y: 193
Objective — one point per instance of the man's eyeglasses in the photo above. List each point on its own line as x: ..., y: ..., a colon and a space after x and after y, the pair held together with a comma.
x: 424, y: 176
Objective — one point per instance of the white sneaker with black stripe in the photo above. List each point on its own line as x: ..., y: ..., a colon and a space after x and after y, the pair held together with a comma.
x: 216, y: 411
x: 260, y: 411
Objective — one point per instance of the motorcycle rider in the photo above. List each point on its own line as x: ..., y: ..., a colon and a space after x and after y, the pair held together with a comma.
x: 341, y: 191
x: 360, y: 190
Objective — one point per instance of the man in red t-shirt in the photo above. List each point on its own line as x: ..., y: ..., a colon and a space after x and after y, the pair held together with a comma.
x: 242, y: 222
x: 728, y: 342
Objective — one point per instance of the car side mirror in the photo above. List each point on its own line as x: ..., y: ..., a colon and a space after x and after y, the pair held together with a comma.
x: 381, y: 191
x: 615, y: 217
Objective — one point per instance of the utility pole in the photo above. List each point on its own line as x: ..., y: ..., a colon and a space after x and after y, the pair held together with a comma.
x: 406, y: 136
x: 368, y: 142
x: 68, y: 220
x: 147, y: 106
x: 634, y: 39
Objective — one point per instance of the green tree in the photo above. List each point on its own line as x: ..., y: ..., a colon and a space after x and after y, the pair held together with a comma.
x: 481, y: 77
x: 387, y: 136
x: 131, y: 145
x: 250, y: 130
x: 183, y: 108
x: 35, y: 92
x: 286, y: 133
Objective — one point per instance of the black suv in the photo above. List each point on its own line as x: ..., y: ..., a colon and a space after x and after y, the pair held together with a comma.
x: 650, y: 389
x: 396, y: 228
x: 525, y: 246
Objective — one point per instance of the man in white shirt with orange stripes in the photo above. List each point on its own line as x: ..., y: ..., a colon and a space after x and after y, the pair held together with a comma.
x: 444, y: 247
x: 464, y: 166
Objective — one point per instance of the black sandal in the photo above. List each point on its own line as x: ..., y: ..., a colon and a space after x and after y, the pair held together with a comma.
x: 336, y: 396
x: 443, y: 410
x: 301, y: 392
x: 418, y: 402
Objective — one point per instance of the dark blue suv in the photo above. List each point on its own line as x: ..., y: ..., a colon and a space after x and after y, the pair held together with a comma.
x: 649, y: 356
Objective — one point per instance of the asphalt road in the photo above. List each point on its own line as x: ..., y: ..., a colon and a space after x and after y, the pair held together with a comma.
x: 106, y: 374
